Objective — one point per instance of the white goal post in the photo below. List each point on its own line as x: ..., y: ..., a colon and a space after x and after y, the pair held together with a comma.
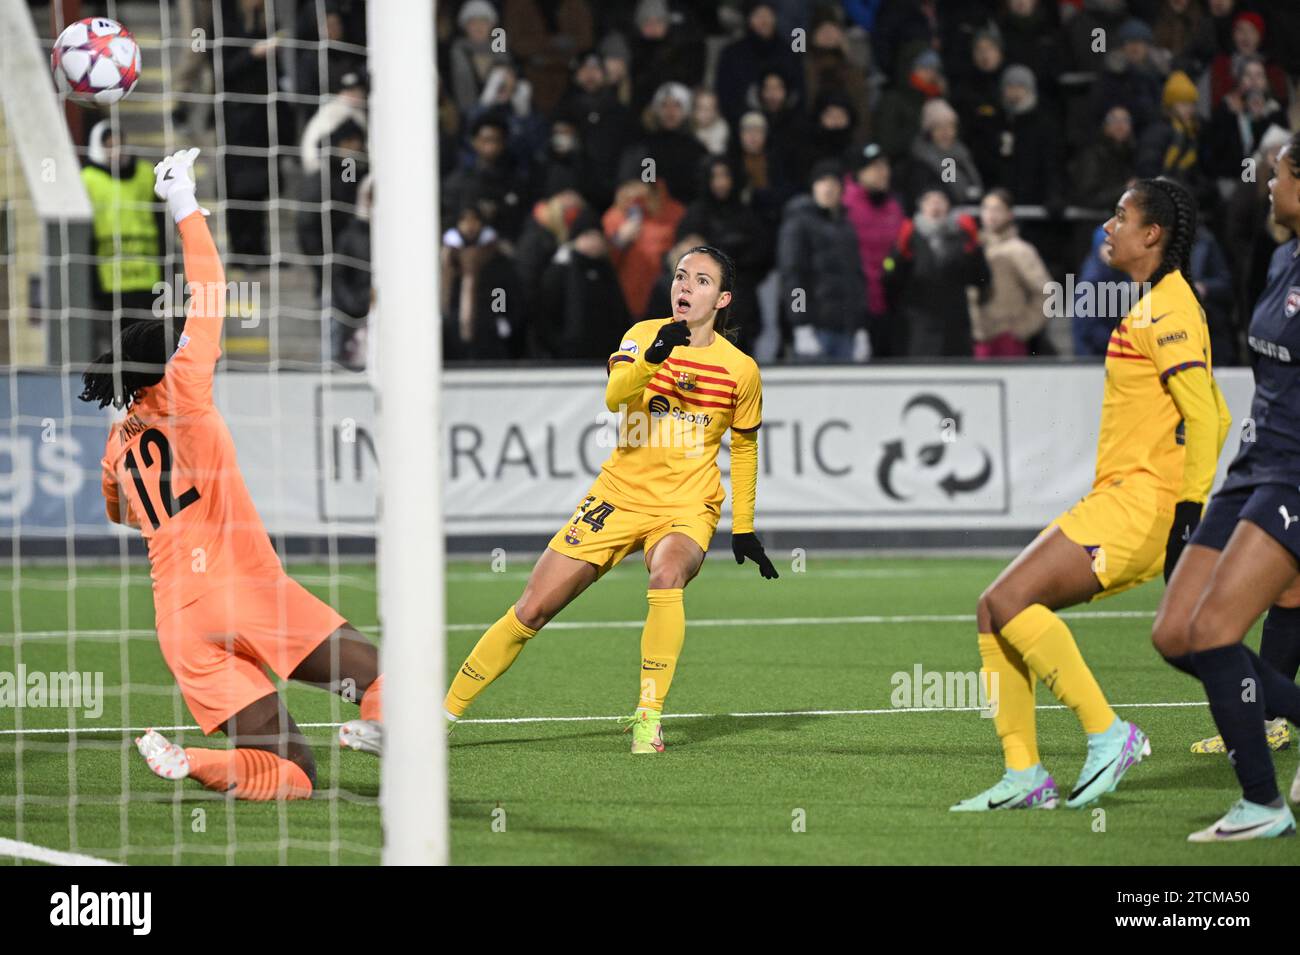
x: 404, y: 161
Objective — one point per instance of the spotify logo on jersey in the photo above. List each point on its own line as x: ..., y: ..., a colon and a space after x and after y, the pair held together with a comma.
x: 658, y: 406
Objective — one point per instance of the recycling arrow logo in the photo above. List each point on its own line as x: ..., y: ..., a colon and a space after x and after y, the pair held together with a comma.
x: 928, y: 459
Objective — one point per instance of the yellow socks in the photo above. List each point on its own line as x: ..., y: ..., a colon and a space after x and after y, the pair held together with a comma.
x: 1011, y: 696
x: 491, y: 657
x: 1046, y: 644
x: 661, y: 644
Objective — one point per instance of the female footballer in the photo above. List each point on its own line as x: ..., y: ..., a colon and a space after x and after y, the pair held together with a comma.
x: 1244, y: 556
x: 224, y: 607
x: 679, y: 385
x: 1163, y: 422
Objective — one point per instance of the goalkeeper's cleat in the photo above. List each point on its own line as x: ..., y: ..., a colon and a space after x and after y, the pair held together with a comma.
x: 1279, y: 738
x: 1110, y: 755
x: 1248, y: 820
x: 647, y: 731
x: 1029, y: 788
x: 365, y: 736
x: 164, y: 758
x: 450, y: 719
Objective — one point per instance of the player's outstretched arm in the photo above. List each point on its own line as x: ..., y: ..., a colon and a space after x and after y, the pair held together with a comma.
x: 205, y: 278
x: 744, y: 488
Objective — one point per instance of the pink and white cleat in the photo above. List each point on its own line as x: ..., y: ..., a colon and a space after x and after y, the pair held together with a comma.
x: 166, y: 759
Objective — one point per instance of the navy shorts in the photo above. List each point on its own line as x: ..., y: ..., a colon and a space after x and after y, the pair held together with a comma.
x: 1275, y: 508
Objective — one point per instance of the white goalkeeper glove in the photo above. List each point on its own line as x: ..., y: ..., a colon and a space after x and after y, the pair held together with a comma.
x: 174, y: 183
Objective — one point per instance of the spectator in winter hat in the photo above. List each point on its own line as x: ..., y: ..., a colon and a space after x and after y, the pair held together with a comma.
x: 1030, y: 145
x: 939, y: 160
x: 471, y: 55
x: 668, y: 150
x: 876, y: 215
x: 898, y: 116
x: 1131, y: 79
x: 1225, y: 69
x: 1169, y: 146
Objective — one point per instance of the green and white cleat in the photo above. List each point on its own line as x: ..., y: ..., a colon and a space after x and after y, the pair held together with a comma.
x: 1279, y: 738
x: 647, y: 731
x: 1110, y: 755
x: 1248, y: 820
x: 1029, y: 788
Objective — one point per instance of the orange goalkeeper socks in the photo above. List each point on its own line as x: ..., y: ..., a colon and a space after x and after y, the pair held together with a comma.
x: 252, y: 774
x: 372, y: 701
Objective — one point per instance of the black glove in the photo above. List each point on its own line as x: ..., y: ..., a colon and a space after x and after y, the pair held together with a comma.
x: 1187, y: 514
x: 748, y: 545
x: 671, y: 334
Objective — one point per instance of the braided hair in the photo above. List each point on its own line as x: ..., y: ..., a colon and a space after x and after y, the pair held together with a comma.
x: 1167, y: 204
x: 728, y: 270
x: 137, y: 360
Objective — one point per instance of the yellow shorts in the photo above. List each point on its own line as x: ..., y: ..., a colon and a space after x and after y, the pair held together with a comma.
x: 1124, y: 526
x: 602, y: 534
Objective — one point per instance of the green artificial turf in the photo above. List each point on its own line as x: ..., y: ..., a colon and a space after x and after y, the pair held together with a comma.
x: 732, y: 788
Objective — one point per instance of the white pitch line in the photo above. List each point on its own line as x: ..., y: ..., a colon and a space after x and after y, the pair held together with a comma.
x: 35, y: 853
x: 638, y: 624
x: 886, y: 711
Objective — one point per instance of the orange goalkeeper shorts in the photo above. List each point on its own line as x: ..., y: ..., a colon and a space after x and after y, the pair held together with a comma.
x: 217, y: 646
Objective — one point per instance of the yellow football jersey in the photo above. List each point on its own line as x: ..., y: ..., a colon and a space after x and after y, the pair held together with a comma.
x: 1141, y: 428
x: 672, y: 424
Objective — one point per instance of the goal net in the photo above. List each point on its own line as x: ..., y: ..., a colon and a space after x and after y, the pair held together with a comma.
x: 277, y: 96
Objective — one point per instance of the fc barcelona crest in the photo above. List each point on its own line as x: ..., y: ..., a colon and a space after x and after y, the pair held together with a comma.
x: 573, y: 535
x: 685, y: 382
x: 1292, y: 301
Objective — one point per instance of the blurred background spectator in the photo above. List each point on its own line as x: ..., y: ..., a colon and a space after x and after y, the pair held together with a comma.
x: 839, y: 147
x: 821, y: 284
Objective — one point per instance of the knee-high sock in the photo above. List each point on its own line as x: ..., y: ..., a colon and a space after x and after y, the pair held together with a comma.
x: 491, y: 657
x: 1011, y: 695
x: 661, y: 644
x: 1280, y: 646
x: 372, y: 707
x: 1229, y: 675
x: 1182, y: 661
x: 1047, y: 645
x: 1278, y: 693
x: 252, y: 774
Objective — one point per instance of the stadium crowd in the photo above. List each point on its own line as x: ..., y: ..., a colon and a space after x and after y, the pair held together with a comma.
x: 893, y: 178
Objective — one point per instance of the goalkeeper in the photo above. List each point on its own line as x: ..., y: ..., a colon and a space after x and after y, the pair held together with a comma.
x: 223, y: 606
x: 679, y: 386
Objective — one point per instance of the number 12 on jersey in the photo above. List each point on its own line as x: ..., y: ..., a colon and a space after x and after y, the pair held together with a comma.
x: 155, y: 439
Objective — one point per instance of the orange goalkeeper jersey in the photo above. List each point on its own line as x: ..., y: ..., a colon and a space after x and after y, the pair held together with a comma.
x: 173, y: 460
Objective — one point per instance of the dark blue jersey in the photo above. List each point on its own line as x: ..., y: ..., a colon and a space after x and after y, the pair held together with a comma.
x: 1274, y: 336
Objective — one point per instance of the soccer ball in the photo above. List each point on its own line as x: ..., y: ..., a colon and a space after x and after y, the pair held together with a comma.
x: 96, y: 61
